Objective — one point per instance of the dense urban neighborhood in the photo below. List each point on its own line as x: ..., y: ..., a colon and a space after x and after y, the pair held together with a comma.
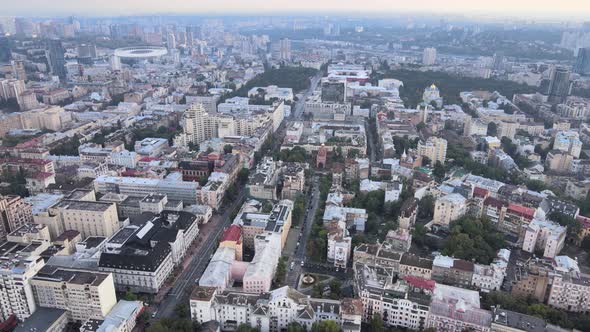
x: 294, y: 173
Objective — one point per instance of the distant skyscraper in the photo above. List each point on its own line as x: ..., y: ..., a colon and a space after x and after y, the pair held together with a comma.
x: 55, y: 58
x: 171, y: 41
x: 285, y: 49
x: 559, y: 84
x: 429, y: 56
x: 190, y: 37
x: 498, y: 61
x: 5, y: 53
x: 582, y: 66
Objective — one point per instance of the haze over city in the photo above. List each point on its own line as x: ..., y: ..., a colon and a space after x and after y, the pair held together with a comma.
x: 530, y: 8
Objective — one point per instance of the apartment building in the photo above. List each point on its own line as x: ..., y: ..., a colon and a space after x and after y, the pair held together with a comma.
x: 339, y: 244
x: 455, y: 309
x: 404, y: 303
x: 452, y: 271
x: 271, y: 311
x: 570, y: 293
x: 90, y: 218
x: 448, y: 208
x: 415, y: 266
x: 14, y: 213
x: 18, y: 264
x: 434, y: 149
x: 569, y: 142
x: 83, y: 295
x: 544, y: 235
x: 213, y: 191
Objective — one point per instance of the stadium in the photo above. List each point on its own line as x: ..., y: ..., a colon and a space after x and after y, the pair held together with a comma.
x: 140, y: 52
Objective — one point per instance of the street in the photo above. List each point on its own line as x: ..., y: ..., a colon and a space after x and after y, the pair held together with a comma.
x: 185, y: 282
x: 300, y: 252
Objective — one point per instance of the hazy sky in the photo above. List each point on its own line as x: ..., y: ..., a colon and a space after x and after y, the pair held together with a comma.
x: 127, y: 7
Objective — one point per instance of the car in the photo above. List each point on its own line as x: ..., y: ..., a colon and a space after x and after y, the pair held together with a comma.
x: 154, y: 314
x: 302, y: 263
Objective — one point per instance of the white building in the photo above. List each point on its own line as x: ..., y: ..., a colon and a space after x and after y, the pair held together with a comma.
x: 185, y: 191
x: 18, y: 265
x: 449, y: 208
x: 568, y: 141
x: 272, y: 92
x: 429, y: 56
x: 456, y: 309
x: 544, y: 235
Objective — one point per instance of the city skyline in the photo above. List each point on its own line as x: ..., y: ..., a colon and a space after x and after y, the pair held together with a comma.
x: 541, y: 9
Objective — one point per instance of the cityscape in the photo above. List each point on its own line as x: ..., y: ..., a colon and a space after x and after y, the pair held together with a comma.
x: 292, y: 167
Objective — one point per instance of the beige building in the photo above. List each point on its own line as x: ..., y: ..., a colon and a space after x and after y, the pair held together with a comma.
x: 14, y: 213
x: 449, y: 208
x: 434, y: 148
x: 558, y: 161
x: 571, y: 294
x: 53, y: 118
x: 83, y: 294
x: 90, y: 218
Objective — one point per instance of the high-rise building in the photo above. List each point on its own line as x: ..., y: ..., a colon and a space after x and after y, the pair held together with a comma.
x: 5, y: 53
x: 55, y: 58
x: 284, y: 49
x: 18, y: 264
x: 14, y: 212
x: 559, y: 84
x: 429, y: 56
x: 198, y: 124
x: 582, y: 65
x: 498, y: 61
x: 171, y: 41
x: 434, y: 148
x: 189, y: 37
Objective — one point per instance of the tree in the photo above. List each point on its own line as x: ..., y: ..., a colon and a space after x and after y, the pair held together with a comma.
x: 335, y: 288
x: 182, y: 310
x: 492, y: 129
x: 573, y: 226
x: 281, y: 271
x: 246, y: 328
x: 426, y: 161
x: 316, y: 291
x: 420, y: 126
x: 325, y: 326
x: 439, y: 171
x: 426, y: 207
x: 295, y: 327
x: 129, y: 296
x: 473, y: 239
x: 227, y: 148
x: 377, y: 323
x: 243, y: 175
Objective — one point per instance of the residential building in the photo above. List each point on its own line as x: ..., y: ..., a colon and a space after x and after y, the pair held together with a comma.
x: 339, y: 244
x: 270, y: 311
x: 14, y: 213
x: 429, y: 56
x: 434, y: 149
x: 82, y: 294
x: 122, y: 318
x: 449, y: 208
x: 90, y: 218
x: 18, y: 264
x: 568, y: 141
x: 544, y: 235
x: 452, y: 271
x: 457, y: 309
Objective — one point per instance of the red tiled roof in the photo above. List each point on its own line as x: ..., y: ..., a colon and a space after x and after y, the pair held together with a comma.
x: 490, y: 201
x: 148, y: 159
x: 480, y: 192
x: 420, y: 282
x: 460, y: 264
x: 521, y: 210
x: 585, y: 221
x: 233, y: 233
x: 42, y: 175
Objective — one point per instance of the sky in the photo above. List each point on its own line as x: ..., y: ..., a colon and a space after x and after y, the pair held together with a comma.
x: 547, y: 8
